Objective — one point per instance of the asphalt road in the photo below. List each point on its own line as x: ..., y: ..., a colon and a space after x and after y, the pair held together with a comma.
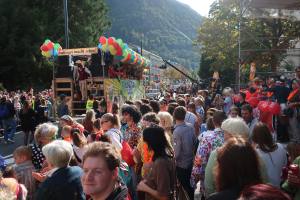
x: 6, y: 150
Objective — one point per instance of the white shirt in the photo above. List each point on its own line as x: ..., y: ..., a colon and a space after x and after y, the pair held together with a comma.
x: 115, y: 137
x: 274, y: 161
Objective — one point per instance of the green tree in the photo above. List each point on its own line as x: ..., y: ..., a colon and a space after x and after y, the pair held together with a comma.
x: 219, y: 34
x: 26, y: 24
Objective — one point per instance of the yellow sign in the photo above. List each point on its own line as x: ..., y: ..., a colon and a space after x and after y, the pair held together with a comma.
x: 79, y: 51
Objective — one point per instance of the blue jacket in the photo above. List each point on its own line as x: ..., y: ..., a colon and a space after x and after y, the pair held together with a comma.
x: 64, y: 184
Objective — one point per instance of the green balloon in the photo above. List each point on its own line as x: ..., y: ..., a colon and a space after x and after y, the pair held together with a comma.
x: 47, y: 41
x: 56, y: 46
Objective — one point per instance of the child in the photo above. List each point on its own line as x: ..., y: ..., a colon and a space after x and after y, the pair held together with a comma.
x: 66, y: 133
x: 24, y: 168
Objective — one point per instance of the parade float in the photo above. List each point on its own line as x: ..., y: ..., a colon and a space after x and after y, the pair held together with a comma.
x: 117, y: 72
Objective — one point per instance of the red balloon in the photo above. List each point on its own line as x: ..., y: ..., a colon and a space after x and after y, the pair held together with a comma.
x: 50, y: 45
x: 44, y: 48
x: 253, y: 101
x: 111, y: 41
x: 274, y: 108
x: 102, y: 40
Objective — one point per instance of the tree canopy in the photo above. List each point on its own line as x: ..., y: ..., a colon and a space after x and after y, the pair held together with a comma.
x: 26, y: 24
x: 263, y: 40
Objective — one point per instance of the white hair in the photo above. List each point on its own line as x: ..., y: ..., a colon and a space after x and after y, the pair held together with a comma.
x: 236, y: 127
x: 58, y: 153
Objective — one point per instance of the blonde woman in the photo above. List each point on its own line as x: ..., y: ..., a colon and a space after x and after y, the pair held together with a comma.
x: 166, y: 122
x: 44, y: 134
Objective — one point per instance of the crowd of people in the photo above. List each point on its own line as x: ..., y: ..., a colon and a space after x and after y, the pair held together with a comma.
x: 223, y: 145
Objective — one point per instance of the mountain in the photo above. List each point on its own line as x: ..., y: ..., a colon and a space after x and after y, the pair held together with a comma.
x: 164, y: 27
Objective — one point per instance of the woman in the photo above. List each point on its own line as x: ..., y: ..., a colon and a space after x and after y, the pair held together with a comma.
x: 166, y: 122
x: 159, y: 182
x: 237, y: 167
x: 97, y: 132
x: 272, y: 154
x: 142, y: 154
x: 27, y: 121
x: 263, y: 191
x: 110, y: 125
x: 79, y: 142
x: 132, y: 132
x: 63, y: 181
x: 88, y: 121
x: 233, y: 128
x: 44, y: 134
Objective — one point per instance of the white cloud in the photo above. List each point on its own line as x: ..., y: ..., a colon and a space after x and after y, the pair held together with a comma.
x: 201, y: 6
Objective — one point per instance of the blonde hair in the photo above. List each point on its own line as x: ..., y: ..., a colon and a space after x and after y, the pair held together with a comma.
x: 166, y: 119
x: 45, y: 130
x: 58, y: 153
x: 90, y: 115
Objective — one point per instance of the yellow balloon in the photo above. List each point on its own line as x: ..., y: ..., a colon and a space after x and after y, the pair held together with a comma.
x: 104, y: 47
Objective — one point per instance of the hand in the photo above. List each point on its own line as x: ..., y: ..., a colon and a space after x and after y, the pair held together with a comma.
x: 142, y: 186
x: 39, y: 176
x: 293, y: 179
x: 198, y: 161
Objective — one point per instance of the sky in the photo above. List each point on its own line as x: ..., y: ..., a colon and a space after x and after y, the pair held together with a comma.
x: 201, y: 6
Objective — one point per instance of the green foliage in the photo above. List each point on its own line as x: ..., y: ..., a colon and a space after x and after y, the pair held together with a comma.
x: 160, y: 24
x: 26, y: 24
x: 263, y: 40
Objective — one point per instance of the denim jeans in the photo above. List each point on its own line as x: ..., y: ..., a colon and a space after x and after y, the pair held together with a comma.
x: 9, y: 126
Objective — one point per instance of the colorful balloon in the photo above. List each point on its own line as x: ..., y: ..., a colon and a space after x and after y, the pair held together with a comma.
x: 103, y: 40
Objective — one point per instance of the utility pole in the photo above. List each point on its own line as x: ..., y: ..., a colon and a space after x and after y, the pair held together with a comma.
x: 66, y: 24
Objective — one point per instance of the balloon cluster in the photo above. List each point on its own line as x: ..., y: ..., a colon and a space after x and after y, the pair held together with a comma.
x: 50, y: 49
x: 121, y: 51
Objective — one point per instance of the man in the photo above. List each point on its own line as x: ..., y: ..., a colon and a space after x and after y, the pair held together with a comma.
x: 184, y: 140
x: 100, y: 173
x: 247, y: 115
x: 7, y: 114
x: 81, y: 74
x: 242, y: 100
x: 189, y: 116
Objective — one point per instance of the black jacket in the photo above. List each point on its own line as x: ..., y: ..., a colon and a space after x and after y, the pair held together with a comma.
x: 64, y: 184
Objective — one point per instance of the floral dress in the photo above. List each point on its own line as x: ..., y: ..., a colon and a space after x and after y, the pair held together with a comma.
x: 132, y: 135
x: 207, y: 144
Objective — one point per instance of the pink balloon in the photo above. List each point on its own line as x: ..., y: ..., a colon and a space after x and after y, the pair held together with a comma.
x: 102, y: 40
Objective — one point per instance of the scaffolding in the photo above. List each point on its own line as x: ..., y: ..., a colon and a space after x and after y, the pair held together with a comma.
x: 284, y: 9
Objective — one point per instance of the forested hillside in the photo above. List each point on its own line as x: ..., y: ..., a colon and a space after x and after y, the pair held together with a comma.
x: 165, y: 27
